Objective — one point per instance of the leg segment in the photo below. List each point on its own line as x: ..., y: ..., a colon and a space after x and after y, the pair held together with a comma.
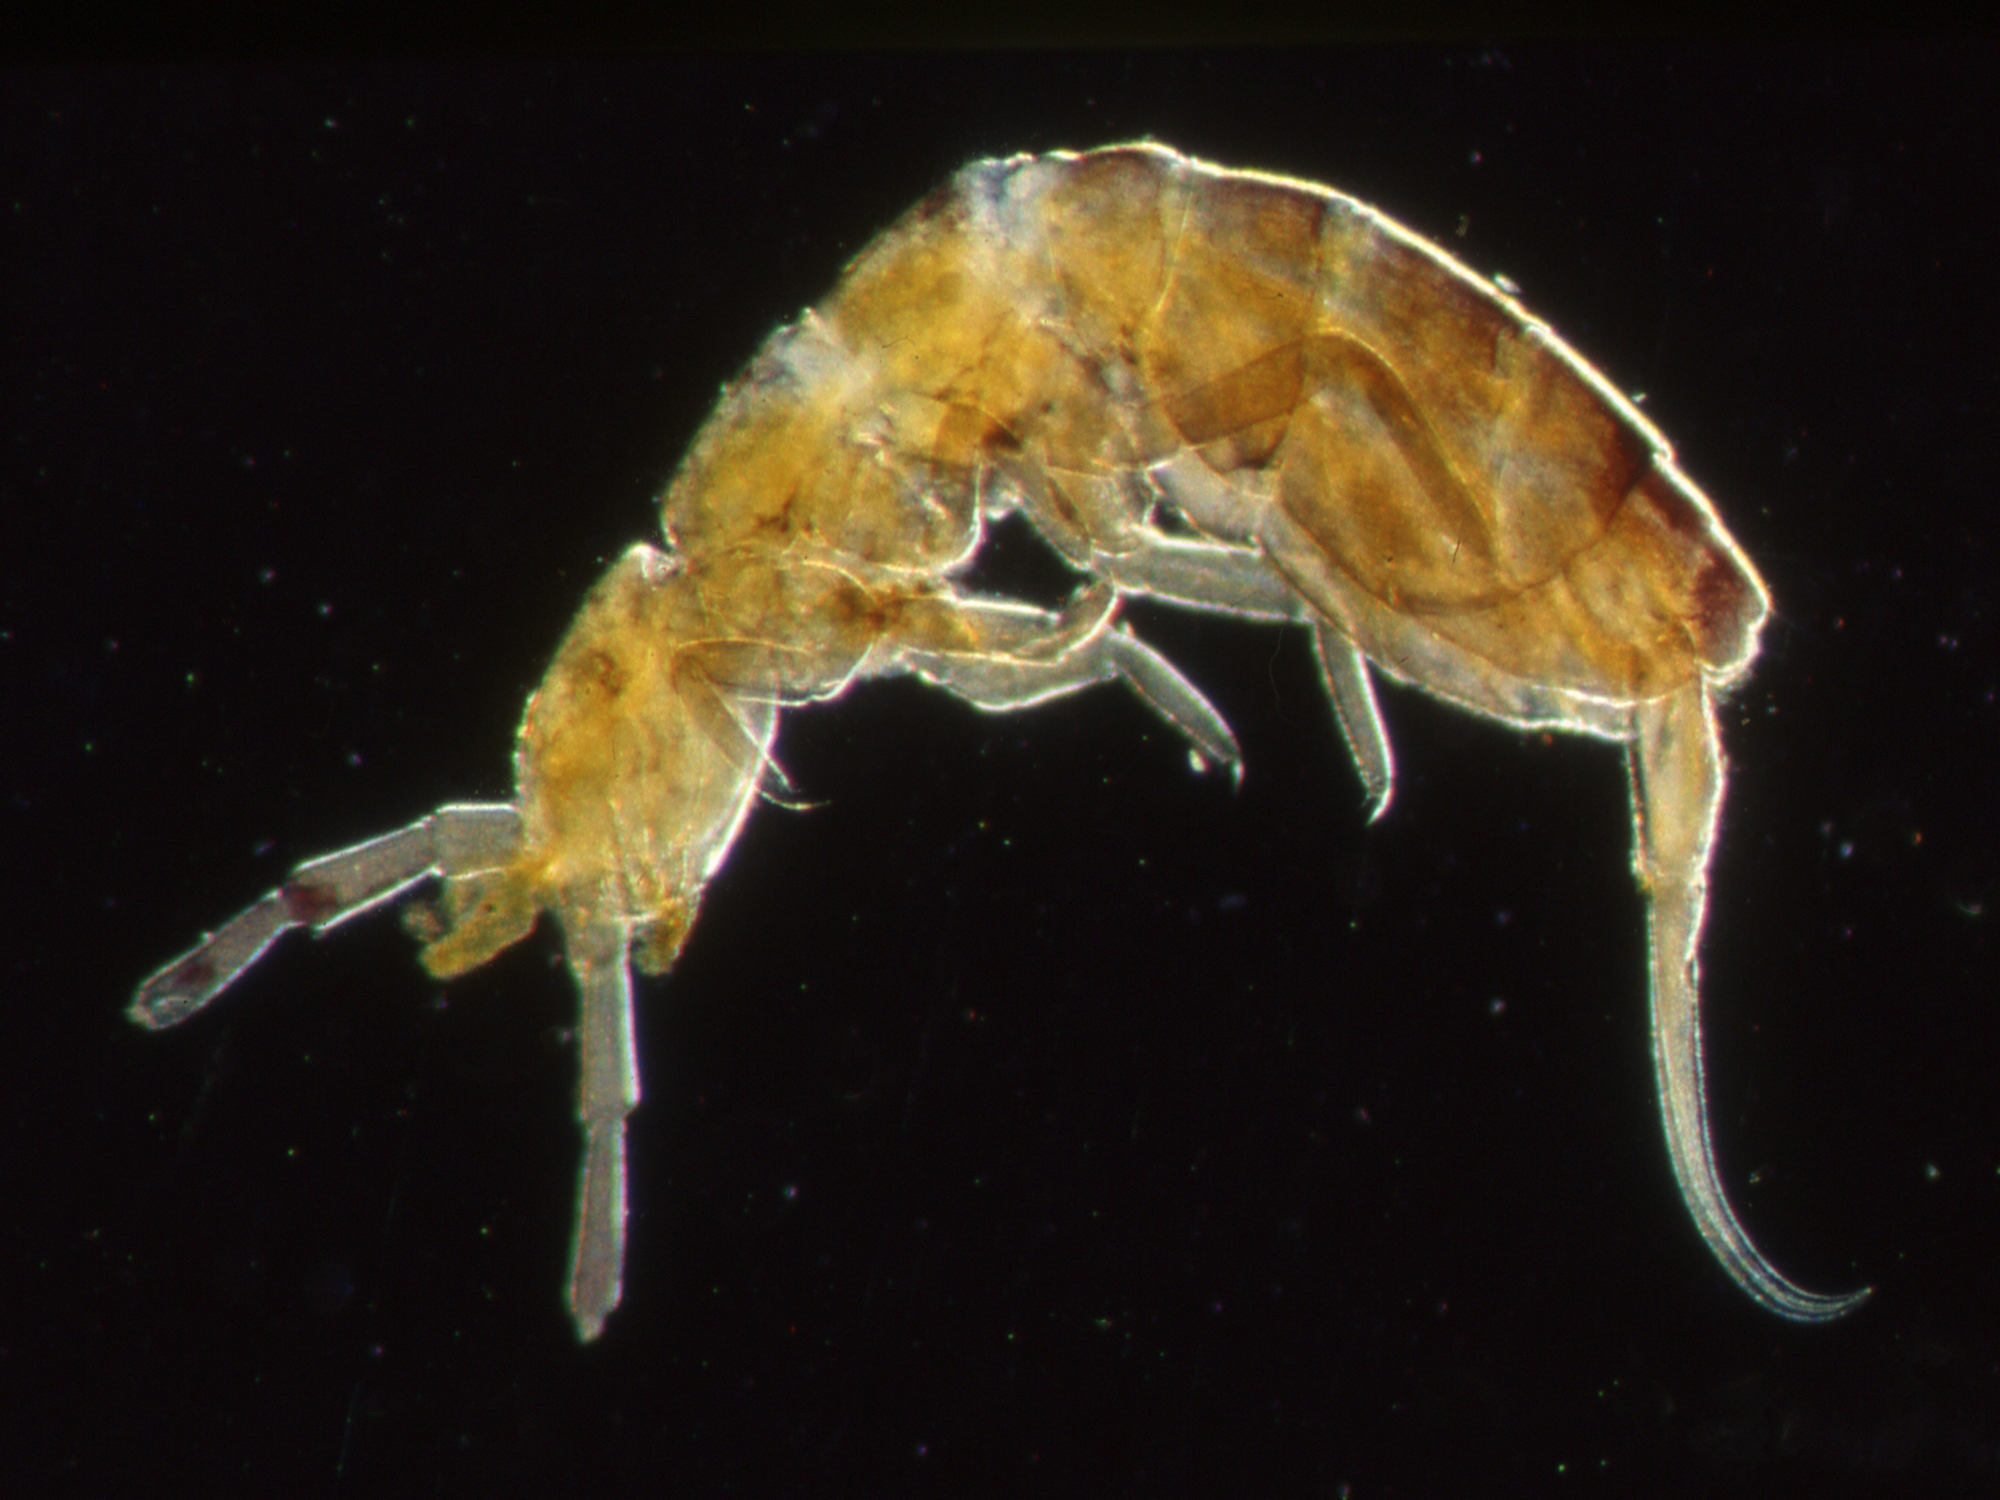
x: 1036, y: 656
x: 607, y: 1091
x: 1223, y: 579
x: 325, y: 892
x: 1345, y: 671
x: 1214, y: 577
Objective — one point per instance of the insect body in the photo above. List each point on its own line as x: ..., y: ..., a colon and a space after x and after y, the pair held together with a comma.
x: 1235, y: 392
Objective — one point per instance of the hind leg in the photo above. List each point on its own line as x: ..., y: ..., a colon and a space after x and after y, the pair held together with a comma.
x: 1676, y: 793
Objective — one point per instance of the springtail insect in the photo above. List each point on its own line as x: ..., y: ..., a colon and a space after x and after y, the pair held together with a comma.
x: 1226, y: 390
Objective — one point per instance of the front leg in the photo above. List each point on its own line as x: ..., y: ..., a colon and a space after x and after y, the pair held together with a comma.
x: 324, y: 892
x: 607, y: 1091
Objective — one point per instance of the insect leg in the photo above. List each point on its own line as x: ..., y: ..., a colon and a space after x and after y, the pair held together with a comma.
x: 1676, y: 794
x: 1224, y: 579
x: 325, y: 892
x: 1171, y: 696
x: 1345, y: 671
x: 1210, y: 576
x: 607, y: 1091
x: 1025, y: 672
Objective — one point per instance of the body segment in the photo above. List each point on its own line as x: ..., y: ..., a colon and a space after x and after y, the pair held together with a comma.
x: 1238, y: 393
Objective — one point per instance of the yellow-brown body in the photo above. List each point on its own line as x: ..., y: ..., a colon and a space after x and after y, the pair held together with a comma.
x: 1240, y: 393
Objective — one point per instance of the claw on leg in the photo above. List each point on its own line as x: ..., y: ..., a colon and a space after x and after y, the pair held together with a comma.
x: 1345, y: 671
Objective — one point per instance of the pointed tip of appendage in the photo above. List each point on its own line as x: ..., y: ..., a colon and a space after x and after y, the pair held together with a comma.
x: 175, y: 993
x: 1813, y: 1307
x: 1827, y: 1309
x: 1779, y: 1295
x: 1205, y: 761
x: 156, y: 1012
x: 592, y: 1301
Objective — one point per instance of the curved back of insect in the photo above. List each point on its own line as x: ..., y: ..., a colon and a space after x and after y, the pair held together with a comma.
x: 1356, y: 434
x: 1346, y: 416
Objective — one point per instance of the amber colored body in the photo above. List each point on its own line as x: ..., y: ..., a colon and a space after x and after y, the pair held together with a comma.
x: 1239, y: 393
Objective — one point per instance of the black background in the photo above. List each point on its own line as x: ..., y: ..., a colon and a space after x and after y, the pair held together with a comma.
x: 1031, y: 1114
